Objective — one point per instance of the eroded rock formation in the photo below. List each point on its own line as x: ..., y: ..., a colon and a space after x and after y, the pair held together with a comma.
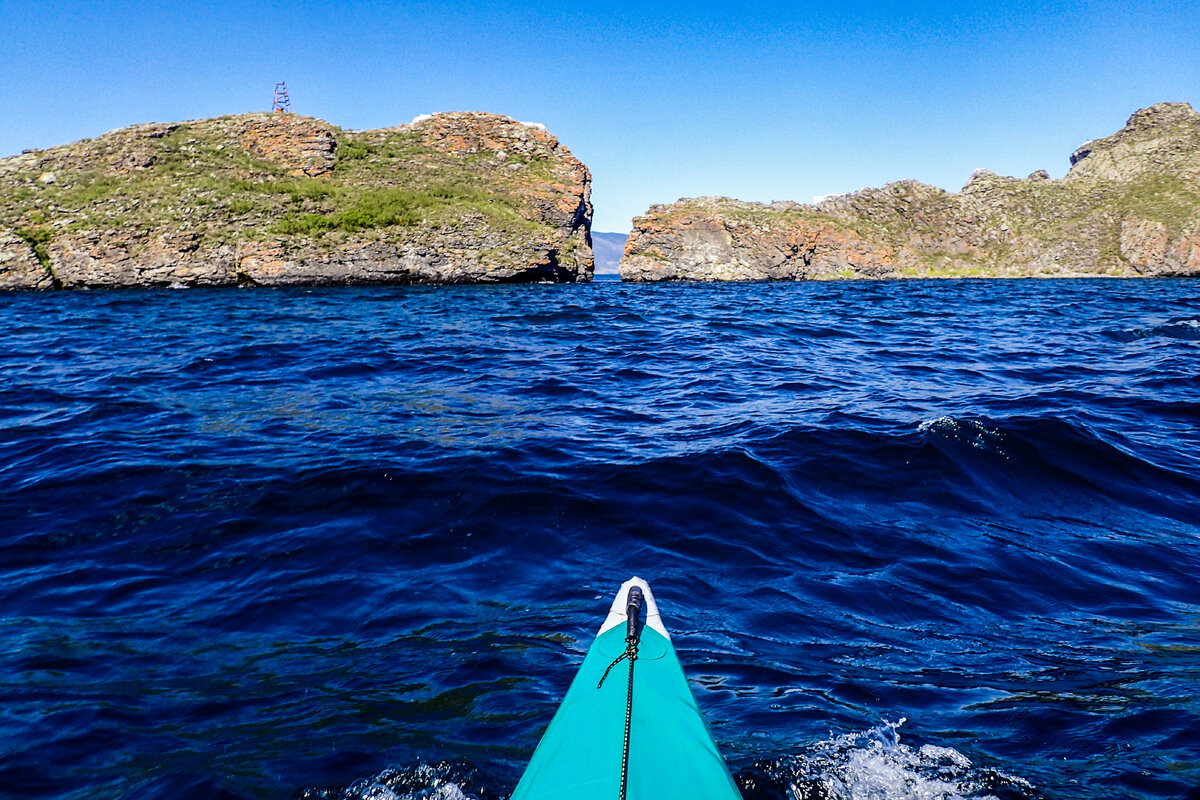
x: 1130, y: 205
x: 277, y: 199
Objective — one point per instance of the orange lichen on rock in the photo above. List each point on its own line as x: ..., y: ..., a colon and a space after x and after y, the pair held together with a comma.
x: 301, y: 145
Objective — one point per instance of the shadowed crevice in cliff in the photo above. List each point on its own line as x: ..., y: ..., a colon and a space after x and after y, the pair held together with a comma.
x: 554, y: 272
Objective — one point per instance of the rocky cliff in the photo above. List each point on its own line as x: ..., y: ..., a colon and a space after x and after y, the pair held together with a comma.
x: 1130, y: 205
x: 279, y: 199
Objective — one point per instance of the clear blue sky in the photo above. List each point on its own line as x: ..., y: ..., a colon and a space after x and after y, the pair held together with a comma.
x: 663, y: 100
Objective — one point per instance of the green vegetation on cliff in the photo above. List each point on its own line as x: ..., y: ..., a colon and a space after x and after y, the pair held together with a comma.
x: 193, y: 174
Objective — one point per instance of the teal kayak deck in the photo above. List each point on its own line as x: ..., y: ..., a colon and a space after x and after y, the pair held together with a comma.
x: 671, y: 752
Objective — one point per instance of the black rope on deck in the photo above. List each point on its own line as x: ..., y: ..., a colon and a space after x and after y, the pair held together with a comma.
x: 633, y: 635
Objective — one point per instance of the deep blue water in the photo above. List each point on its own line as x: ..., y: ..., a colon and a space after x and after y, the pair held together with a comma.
x: 914, y: 539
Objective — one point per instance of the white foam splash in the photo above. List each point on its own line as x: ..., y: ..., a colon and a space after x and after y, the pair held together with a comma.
x: 869, y: 765
x: 875, y: 765
x: 969, y: 431
x: 424, y: 782
x: 420, y: 782
x: 949, y: 423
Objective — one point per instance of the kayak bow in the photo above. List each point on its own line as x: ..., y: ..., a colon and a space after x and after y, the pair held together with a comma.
x: 629, y: 726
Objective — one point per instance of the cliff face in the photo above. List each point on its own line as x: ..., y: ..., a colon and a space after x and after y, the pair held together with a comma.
x: 1130, y: 205
x: 278, y: 199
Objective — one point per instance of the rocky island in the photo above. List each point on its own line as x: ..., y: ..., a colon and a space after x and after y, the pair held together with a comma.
x: 280, y: 199
x: 1129, y: 206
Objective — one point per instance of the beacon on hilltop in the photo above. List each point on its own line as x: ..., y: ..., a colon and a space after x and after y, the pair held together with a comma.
x: 282, y: 103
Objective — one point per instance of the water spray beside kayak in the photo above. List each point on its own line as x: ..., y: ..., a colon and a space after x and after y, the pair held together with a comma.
x: 629, y: 726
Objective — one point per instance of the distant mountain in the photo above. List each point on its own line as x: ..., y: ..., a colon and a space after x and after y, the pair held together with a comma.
x: 608, y: 249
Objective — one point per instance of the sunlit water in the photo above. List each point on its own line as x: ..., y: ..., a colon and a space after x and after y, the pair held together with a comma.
x: 913, y: 539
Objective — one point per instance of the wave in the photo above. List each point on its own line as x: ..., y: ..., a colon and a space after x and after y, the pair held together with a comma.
x: 746, y: 496
x: 1057, y: 460
x: 1187, y: 329
x: 1017, y: 465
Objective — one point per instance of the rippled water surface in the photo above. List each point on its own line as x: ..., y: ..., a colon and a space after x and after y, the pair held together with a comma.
x: 914, y: 539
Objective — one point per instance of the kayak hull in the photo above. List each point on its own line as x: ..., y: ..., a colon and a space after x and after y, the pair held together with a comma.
x: 671, y: 752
